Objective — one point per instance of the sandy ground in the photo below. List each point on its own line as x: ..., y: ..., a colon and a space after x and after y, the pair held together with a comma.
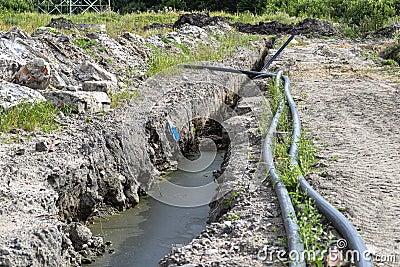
x: 351, y: 105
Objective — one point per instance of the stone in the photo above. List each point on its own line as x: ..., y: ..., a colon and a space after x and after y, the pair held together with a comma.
x: 35, y: 74
x: 250, y: 104
x: 57, y: 81
x: 74, y: 88
x: 41, y: 147
x: 86, y: 261
x: 20, y: 151
x: 97, y: 241
x: 4, y: 251
x: 90, y: 102
x: 101, y: 86
x: 79, y: 235
x: 8, y: 67
x: 47, y: 145
x: 88, y: 71
x: 15, y: 33
x: 13, y: 94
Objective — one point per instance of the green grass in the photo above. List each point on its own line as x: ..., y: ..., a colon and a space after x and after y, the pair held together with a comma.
x: 30, y: 116
x: 309, y: 218
x: 84, y: 43
x: 116, y: 24
x: 121, y: 98
x: 226, y: 44
x: 248, y: 17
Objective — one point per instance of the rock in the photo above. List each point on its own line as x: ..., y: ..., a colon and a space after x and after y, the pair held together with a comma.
x: 88, y: 71
x: 91, y: 102
x: 13, y: 94
x: 41, y: 147
x: 15, y: 33
x: 8, y: 67
x: 57, y: 81
x: 101, y: 86
x: 47, y: 145
x: 189, y: 35
x: 4, y: 251
x: 35, y: 74
x: 20, y: 151
x: 74, y: 88
x: 96, y: 241
x: 86, y: 261
x: 79, y: 235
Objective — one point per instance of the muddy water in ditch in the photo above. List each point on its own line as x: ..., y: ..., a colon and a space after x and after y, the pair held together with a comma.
x: 143, y: 235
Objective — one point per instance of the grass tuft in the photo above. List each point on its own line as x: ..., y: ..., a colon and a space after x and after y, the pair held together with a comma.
x: 84, y: 43
x: 121, y: 98
x: 30, y: 116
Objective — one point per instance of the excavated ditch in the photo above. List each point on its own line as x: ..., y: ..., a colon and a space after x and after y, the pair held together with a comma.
x: 102, y: 166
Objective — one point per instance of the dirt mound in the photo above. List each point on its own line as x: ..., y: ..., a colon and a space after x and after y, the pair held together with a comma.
x: 314, y: 27
x: 263, y: 27
x: 308, y: 26
x: 199, y: 20
x: 61, y: 23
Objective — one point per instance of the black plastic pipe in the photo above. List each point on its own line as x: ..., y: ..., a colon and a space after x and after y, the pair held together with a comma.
x: 230, y: 70
x: 339, y: 221
x: 266, y: 66
x: 295, y: 243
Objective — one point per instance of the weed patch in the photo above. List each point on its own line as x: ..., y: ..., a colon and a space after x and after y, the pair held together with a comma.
x: 121, y: 98
x: 30, y: 116
x: 84, y: 43
x: 225, y: 45
x: 309, y: 219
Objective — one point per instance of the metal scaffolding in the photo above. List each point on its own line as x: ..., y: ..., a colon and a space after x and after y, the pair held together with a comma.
x: 73, y: 6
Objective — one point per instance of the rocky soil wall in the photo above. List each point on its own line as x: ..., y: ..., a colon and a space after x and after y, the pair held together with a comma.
x: 97, y: 164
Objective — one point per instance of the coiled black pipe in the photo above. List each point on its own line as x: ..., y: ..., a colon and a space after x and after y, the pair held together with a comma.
x: 339, y: 221
x: 295, y: 243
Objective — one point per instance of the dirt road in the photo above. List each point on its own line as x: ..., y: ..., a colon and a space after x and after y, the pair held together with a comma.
x: 351, y: 105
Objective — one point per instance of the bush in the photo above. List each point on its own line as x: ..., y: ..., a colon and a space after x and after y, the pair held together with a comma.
x: 17, y: 5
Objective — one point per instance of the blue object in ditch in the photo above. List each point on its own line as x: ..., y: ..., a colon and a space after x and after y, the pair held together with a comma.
x: 174, y: 131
